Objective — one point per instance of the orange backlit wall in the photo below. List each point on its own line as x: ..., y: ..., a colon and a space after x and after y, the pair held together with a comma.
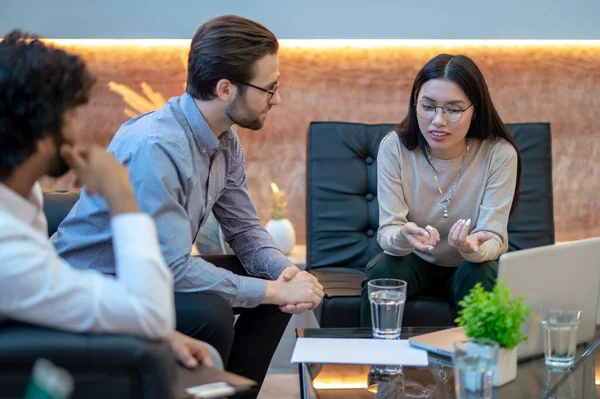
x: 369, y: 81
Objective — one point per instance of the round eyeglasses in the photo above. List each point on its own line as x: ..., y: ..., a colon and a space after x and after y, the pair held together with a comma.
x: 451, y: 112
x: 271, y: 92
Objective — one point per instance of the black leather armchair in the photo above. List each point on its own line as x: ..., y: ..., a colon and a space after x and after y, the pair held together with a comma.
x: 103, y: 366
x: 343, y: 214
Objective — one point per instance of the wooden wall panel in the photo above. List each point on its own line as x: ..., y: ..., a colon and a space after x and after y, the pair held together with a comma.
x: 533, y: 83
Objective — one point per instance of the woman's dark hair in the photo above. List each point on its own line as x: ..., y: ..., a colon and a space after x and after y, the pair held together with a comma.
x: 226, y: 47
x: 486, y: 123
x: 38, y: 83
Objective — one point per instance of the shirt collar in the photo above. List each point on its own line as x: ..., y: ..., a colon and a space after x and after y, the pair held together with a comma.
x: 205, y: 138
x: 26, y: 210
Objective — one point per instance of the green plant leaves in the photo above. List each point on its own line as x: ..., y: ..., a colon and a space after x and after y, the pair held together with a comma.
x: 493, y: 315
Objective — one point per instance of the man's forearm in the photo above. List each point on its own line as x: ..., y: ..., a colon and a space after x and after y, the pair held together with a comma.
x: 259, y: 253
x: 194, y: 274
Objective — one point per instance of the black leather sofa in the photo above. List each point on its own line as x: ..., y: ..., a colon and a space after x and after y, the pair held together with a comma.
x: 103, y: 366
x: 342, y: 214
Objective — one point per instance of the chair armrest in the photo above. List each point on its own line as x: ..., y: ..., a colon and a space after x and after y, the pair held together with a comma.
x: 339, y: 281
x: 150, y: 365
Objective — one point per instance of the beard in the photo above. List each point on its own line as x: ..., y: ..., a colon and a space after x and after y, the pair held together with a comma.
x: 61, y: 167
x: 239, y: 114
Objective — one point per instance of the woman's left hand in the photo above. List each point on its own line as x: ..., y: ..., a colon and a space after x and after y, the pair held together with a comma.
x: 459, y: 237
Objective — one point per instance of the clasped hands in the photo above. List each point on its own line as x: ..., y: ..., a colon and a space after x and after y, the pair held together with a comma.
x: 295, y: 291
x: 300, y: 290
x: 425, y: 239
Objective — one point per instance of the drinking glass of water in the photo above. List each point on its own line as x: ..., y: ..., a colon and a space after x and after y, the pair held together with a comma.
x: 387, y: 297
x: 560, y: 337
x: 475, y: 364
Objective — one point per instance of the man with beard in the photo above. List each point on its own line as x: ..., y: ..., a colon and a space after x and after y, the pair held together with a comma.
x: 185, y: 161
x: 41, y: 88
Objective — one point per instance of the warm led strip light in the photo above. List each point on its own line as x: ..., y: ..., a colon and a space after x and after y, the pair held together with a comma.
x: 341, y: 43
x: 339, y: 385
x: 370, y: 43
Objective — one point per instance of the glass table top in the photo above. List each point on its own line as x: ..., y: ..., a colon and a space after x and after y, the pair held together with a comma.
x: 341, y: 381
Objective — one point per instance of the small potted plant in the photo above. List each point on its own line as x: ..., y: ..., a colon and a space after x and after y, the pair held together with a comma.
x: 280, y: 228
x: 494, y: 315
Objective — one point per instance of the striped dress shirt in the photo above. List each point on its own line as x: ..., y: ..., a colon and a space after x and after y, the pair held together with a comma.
x: 180, y: 171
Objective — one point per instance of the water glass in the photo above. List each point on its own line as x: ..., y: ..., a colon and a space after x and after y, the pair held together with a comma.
x: 387, y: 297
x: 475, y: 362
x: 560, y: 337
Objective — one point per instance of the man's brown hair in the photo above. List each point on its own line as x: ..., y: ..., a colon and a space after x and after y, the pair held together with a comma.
x: 226, y: 47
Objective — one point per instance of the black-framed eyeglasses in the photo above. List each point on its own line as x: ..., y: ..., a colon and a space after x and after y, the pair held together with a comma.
x: 271, y: 92
x: 451, y: 112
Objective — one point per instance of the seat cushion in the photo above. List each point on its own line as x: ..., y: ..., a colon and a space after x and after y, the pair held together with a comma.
x: 342, y: 209
x: 532, y: 225
x: 341, y: 306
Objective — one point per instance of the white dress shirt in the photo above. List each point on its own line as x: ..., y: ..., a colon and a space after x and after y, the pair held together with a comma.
x: 38, y: 287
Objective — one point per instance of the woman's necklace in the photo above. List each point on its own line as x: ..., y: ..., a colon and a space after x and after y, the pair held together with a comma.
x: 446, y: 201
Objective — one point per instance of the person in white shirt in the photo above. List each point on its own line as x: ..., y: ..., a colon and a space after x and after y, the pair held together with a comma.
x: 40, y: 89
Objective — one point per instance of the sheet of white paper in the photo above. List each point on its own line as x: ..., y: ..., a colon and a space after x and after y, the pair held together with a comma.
x: 358, y: 351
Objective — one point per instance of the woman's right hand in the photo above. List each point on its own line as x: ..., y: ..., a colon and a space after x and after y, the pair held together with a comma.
x: 423, y: 239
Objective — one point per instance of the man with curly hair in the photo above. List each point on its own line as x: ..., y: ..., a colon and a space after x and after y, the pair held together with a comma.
x: 41, y: 88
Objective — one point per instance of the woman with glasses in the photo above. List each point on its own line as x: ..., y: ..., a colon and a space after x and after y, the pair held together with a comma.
x: 448, y: 180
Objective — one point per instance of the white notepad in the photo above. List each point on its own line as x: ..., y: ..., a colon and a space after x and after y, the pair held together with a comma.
x: 358, y: 351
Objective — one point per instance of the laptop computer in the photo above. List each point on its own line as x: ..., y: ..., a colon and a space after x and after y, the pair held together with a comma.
x: 562, y: 276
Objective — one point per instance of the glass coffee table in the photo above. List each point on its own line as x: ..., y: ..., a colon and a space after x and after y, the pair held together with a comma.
x: 343, y: 381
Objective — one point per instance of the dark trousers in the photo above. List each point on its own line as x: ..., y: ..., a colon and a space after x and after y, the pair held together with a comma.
x: 247, y: 347
x: 426, y: 279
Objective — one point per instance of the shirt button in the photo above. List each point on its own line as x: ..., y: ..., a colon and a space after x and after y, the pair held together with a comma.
x: 210, y: 197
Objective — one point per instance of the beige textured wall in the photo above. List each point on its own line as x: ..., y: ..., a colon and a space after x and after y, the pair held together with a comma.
x: 557, y: 84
